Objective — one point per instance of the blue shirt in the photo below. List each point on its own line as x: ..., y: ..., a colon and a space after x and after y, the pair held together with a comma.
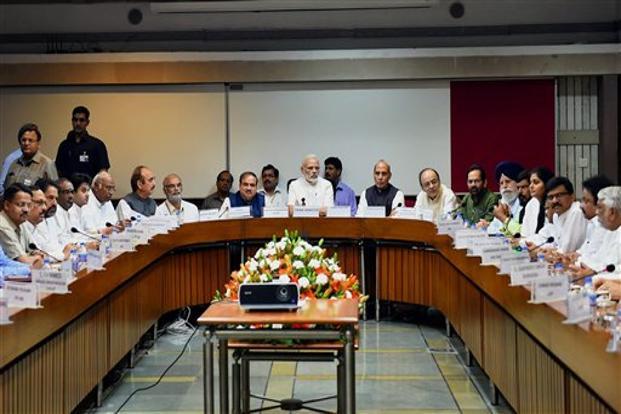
x: 345, y: 196
x: 256, y: 205
x: 10, y: 267
x: 5, y: 166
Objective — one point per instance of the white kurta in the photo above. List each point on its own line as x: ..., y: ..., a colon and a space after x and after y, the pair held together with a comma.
x: 609, y: 251
x: 568, y: 229
x: 448, y: 202
x: 95, y: 215
x: 515, y: 208
x: 188, y: 212
x: 45, y: 237
x: 301, y: 192
x: 594, y: 237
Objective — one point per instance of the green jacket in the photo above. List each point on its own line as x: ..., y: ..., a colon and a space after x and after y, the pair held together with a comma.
x: 484, y: 210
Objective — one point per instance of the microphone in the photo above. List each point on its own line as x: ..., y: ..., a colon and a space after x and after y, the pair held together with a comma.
x: 221, y: 214
x: 548, y: 240
x: 303, y: 201
x: 516, y: 235
x: 608, y: 269
x: 33, y: 246
x: 75, y: 230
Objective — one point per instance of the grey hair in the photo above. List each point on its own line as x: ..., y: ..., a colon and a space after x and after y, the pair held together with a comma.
x: 611, y: 197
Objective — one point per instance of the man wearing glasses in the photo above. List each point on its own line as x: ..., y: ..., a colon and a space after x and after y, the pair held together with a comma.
x: 569, y: 226
x: 81, y: 152
x: 174, y: 205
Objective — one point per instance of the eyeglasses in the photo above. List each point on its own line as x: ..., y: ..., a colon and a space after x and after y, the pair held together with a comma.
x: 558, y: 195
x: 77, y: 119
x: 171, y: 186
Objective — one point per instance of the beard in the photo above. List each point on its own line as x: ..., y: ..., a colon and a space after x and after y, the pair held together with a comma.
x: 312, y: 180
x: 175, y: 198
x: 50, y: 212
x: 508, y: 197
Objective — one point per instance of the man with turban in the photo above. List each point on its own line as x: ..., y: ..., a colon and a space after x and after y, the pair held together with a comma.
x: 507, y: 212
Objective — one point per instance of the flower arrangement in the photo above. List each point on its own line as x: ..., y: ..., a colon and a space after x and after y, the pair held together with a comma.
x: 292, y: 259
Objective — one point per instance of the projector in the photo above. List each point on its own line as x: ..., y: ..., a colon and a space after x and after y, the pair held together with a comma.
x: 268, y: 296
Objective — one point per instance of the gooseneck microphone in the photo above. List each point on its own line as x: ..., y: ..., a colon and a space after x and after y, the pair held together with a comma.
x: 33, y: 246
x: 548, y: 240
x: 608, y: 269
x: 75, y: 230
x: 303, y: 201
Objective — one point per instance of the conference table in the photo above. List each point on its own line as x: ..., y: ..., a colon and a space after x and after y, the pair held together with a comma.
x: 51, y: 358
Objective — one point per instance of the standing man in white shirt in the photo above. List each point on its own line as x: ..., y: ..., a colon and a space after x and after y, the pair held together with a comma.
x: 382, y: 193
x: 273, y: 196
x: 99, y: 210
x: 310, y: 189
x: 174, y: 205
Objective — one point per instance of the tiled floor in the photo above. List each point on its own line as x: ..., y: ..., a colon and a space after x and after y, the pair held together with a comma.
x: 396, y: 373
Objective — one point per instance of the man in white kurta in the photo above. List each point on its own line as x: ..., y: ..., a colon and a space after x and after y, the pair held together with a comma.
x: 174, y: 205
x: 434, y: 195
x: 273, y: 195
x: 99, y: 210
x: 44, y: 235
x: 311, y: 190
x: 507, y: 212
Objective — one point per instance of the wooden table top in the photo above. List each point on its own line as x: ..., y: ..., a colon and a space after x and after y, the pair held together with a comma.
x: 319, y: 311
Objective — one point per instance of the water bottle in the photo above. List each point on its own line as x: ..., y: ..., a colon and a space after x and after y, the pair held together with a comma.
x: 46, y: 263
x: 590, y: 293
x: 82, y: 254
x: 75, y: 262
x: 105, y: 243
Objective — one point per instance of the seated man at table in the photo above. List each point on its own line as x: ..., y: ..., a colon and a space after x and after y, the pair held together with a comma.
x: 174, y: 205
x: 311, y: 190
x: 434, y: 195
x: 15, y: 239
x: 273, y: 195
x: 139, y: 201
x: 507, y: 212
x: 477, y: 207
x: 382, y: 193
x: 343, y: 194
x: 99, y: 210
x: 224, y: 182
x: 246, y: 196
x: 609, y: 252
x: 568, y: 226
x: 44, y: 238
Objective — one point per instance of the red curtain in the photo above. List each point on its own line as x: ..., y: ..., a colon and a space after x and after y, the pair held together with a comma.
x: 492, y: 121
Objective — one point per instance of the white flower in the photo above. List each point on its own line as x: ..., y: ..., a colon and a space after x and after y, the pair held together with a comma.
x: 303, y: 282
x: 252, y: 266
x: 263, y: 277
x: 247, y: 279
x: 262, y: 263
x: 281, y: 245
x: 299, y: 251
x: 284, y: 279
x: 339, y: 276
x: 348, y: 294
x: 334, y: 268
x: 298, y: 264
x: 270, y: 251
x: 314, y: 263
x: 322, y: 279
x: 259, y: 253
x: 275, y: 265
x: 270, y: 245
x: 317, y: 249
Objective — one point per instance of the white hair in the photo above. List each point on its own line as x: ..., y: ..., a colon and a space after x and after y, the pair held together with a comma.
x: 100, y: 176
x: 310, y: 157
x: 611, y: 197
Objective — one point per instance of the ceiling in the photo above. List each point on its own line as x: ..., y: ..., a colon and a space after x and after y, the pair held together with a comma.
x: 105, y: 26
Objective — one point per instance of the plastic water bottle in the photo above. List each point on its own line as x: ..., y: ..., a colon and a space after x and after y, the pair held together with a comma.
x: 46, y: 263
x: 590, y: 293
x: 105, y: 243
x: 75, y: 262
x: 82, y: 254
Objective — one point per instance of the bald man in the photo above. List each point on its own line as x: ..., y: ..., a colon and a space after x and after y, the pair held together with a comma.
x: 382, y: 193
x: 310, y: 189
x: 99, y: 210
x: 174, y: 205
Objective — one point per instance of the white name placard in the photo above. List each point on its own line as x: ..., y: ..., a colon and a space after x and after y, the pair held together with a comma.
x: 305, y: 211
x: 522, y: 274
x: 550, y: 290
x: 374, y: 212
x: 465, y: 238
x: 406, y: 213
x: 493, y: 254
x: 208, y: 215
x: 4, y: 311
x: 578, y: 309
x: 275, y: 212
x: 95, y: 260
x: 138, y: 235
x: 21, y: 295
x: 512, y: 258
x: 51, y: 280
x: 239, y: 212
x: 486, y: 243
x: 121, y: 242
x: 450, y: 228
x: 339, y: 211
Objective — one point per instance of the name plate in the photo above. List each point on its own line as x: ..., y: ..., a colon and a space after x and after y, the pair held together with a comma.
x: 95, y: 260
x: 339, y: 211
x: 239, y: 212
x: 52, y: 280
x: 407, y: 213
x: 138, y: 235
x: 578, y: 309
x: 465, y: 238
x: 477, y: 247
x: 450, y: 228
x: 208, y: 215
x: 493, y: 255
x: 512, y: 258
x: 523, y: 274
x: 374, y: 212
x: 21, y: 295
x: 121, y: 242
x: 4, y: 311
x: 275, y: 212
x: 305, y: 211
x: 425, y: 214
x: 550, y: 290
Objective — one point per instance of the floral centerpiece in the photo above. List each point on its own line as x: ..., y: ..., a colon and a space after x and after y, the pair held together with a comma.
x: 292, y: 259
